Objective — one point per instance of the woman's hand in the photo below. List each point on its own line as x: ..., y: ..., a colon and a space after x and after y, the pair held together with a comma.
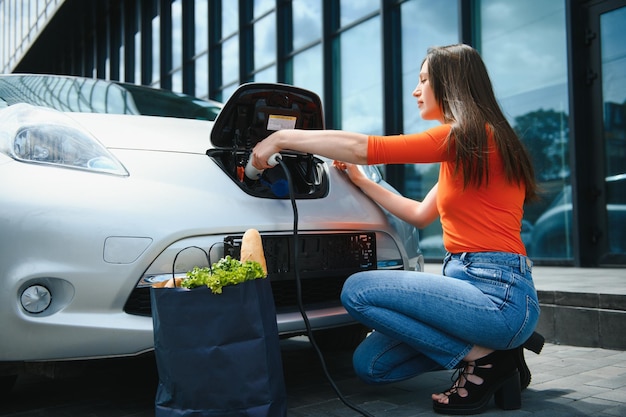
x: 352, y: 171
x: 263, y: 151
x: 333, y: 144
x: 418, y: 213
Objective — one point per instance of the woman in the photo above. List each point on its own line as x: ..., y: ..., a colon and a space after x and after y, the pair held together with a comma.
x: 478, y: 315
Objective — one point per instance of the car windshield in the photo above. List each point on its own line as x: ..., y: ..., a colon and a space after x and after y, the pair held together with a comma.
x: 69, y: 94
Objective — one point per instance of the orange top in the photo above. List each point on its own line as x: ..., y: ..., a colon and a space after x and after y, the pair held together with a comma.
x: 478, y: 219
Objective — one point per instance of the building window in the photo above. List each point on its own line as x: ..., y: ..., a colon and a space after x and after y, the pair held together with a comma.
x: 229, y: 43
x: 201, y: 48
x: 230, y: 64
x: 156, y: 50
x: 137, y: 63
x: 361, y: 78
x: 437, y: 25
x: 265, y: 47
x: 524, y: 47
x: 177, y: 34
x: 307, y: 22
x: 307, y: 70
x: 351, y: 11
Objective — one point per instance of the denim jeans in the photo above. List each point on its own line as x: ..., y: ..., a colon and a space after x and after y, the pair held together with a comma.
x: 424, y: 322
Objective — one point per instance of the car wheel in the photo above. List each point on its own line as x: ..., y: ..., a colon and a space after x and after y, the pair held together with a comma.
x: 6, y: 385
x: 340, y: 338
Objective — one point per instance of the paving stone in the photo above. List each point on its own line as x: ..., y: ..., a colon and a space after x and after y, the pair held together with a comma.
x: 568, y: 380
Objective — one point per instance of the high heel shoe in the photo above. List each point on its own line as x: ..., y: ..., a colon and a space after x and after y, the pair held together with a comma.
x: 534, y: 343
x: 500, y: 379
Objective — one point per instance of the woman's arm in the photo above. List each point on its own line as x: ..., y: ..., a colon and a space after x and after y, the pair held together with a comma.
x: 333, y: 144
x: 418, y: 213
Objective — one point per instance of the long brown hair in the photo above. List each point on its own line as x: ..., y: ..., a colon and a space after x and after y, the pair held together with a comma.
x: 462, y: 88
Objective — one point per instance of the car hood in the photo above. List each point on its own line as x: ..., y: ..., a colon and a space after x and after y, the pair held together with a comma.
x: 166, y: 134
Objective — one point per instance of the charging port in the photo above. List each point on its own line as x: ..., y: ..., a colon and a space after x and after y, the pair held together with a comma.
x: 252, y: 113
x: 308, y: 174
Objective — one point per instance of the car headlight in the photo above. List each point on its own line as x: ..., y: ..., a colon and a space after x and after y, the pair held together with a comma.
x: 45, y: 136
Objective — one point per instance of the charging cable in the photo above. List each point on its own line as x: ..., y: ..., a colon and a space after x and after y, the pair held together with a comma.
x: 299, y: 294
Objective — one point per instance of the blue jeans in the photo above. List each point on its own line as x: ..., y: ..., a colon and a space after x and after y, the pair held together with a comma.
x: 424, y: 322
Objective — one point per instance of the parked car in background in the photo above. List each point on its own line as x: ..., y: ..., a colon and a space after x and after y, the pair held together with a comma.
x: 104, y: 183
x: 551, y: 233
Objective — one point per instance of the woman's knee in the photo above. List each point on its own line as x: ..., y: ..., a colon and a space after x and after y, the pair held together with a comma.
x: 362, y: 364
x: 349, y: 293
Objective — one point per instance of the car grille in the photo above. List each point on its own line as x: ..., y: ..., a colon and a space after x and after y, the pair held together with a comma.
x: 324, y: 263
x: 314, y: 291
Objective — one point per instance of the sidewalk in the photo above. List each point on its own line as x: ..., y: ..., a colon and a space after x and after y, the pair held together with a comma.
x: 567, y: 380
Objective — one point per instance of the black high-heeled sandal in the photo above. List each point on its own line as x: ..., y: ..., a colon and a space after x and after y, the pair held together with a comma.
x: 500, y: 379
x: 534, y: 343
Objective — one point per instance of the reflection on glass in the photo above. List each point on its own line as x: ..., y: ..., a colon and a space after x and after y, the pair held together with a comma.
x: 201, y: 26
x: 177, y: 34
x: 614, y: 89
x: 227, y: 92
x: 351, y: 10
x: 70, y: 94
x: 307, y: 70
x: 230, y: 18
x: 307, y: 24
x: 230, y: 60
x: 437, y: 25
x: 361, y: 78
x: 268, y: 75
x: 263, y: 6
x: 202, y: 76
x: 524, y: 47
x: 177, y: 81
x: 265, y: 41
x: 122, y: 64
x: 156, y: 50
x: 19, y: 27
x: 137, y: 62
x: 32, y: 14
x: 614, y: 98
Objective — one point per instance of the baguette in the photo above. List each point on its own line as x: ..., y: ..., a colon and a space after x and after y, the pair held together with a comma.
x: 252, y: 248
x: 168, y: 283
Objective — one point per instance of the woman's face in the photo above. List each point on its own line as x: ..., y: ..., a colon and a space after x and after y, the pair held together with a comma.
x: 429, y: 107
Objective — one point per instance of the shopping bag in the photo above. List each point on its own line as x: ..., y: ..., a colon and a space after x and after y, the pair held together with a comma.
x: 218, y: 354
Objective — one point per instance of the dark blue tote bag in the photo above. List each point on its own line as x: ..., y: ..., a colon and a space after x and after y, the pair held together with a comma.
x: 218, y: 354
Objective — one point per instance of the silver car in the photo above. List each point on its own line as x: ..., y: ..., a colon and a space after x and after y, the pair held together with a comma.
x: 103, y: 183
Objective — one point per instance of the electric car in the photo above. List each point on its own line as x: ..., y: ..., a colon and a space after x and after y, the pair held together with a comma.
x: 105, y: 184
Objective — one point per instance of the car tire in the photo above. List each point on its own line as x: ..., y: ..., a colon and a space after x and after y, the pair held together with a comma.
x: 340, y: 338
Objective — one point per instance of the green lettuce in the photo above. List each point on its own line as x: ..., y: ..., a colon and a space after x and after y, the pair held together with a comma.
x: 226, y: 271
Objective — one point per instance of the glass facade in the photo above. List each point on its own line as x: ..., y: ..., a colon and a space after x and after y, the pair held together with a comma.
x: 613, y: 55
x: 341, y: 50
x: 438, y: 24
x: 21, y: 21
x: 361, y: 78
x: 524, y: 47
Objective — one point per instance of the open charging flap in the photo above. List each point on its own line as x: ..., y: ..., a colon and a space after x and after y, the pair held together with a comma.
x: 252, y: 113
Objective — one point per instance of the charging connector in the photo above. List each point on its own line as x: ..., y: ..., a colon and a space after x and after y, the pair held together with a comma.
x: 255, y: 174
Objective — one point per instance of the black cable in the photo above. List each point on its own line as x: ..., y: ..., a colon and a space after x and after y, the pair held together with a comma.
x: 299, y: 296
